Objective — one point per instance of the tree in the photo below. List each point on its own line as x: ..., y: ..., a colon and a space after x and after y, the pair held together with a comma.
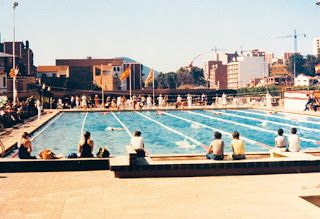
x: 184, y: 76
x: 300, y: 64
x: 161, y: 81
x: 310, y: 63
x: 197, y: 75
x: 171, y: 80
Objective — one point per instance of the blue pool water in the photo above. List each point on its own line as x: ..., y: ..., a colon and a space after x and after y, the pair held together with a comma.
x: 174, y: 132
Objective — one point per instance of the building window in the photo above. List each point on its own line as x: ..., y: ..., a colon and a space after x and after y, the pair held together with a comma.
x: 4, y: 82
x: 114, y: 68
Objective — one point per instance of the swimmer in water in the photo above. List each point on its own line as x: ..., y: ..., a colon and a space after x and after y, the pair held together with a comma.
x: 114, y: 129
x: 159, y: 113
x: 264, y: 123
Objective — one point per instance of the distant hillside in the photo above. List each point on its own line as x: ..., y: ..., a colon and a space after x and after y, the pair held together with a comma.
x: 145, y: 70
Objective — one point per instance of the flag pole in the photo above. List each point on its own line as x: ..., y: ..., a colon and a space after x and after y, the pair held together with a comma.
x: 153, y: 96
x: 102, y: 87
x: 130, y: 83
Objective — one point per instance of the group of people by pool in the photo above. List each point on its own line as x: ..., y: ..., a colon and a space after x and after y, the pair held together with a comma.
x: 312, y: 103
x: 281, y: 144
x: 215, y: 150
x: 85, y: 147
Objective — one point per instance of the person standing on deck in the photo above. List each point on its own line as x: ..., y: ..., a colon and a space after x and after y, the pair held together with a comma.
x: 203, y: 99
x: 224, y: 100
x: 118, y: 102
x: 149, y: 101
x: 189, y: 99
x: 77, y: 102
x: 96, y: 101
x: 160, y: 100
x: 38, y: 104
x: 72, y: 103
x: 84, y: 101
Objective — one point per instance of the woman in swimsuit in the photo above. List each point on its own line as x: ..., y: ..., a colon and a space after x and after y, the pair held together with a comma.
x: 25, y: 148
x: 85, y: 146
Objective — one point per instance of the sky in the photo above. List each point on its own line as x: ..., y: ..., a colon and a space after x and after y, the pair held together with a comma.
x: 163, y: 34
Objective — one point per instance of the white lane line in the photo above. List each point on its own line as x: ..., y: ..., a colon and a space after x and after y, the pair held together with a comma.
x: 277, y: 117
x: 175, y: 131
x: 301, y: 116
x: 123, y: 125
x: 248, y: 126
x: 268, y: 121
x: 44, y: 128
x: 83, y: 123
x: 217, y: 130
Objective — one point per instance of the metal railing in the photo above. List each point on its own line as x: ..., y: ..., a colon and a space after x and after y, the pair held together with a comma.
x: 2, y: 149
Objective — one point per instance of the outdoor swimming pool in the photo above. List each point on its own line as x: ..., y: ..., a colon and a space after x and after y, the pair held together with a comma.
x: 173, y: 132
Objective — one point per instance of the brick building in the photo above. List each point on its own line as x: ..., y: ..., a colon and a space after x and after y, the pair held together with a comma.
x: 24, y: 57
x: 84, y: 73
x: 215, y: 72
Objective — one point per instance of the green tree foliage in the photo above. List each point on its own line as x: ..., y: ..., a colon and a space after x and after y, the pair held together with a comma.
x: 171, y: 80
x: 256, y: 91
x: 310, y: 63
x: 197, y: 75
x: 304, y: 65
x: 161, y: 81
x: 300, y: 64
x: 184, y: 76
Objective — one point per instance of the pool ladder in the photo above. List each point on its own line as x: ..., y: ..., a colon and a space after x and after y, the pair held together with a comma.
x: 2, y: 149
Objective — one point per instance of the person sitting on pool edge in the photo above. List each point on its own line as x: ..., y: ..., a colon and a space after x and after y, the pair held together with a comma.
x: 85, y: 146
x: 294, y: 141
x: 216, y: 148
x: 238, y: 147
x: 138, y: 144
x: 25, y: 147
x: 280, y: 141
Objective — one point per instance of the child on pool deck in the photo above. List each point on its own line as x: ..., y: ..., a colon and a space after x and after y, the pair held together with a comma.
x: 238, y: 147
x: 216, y: 148
x: 280, y: 142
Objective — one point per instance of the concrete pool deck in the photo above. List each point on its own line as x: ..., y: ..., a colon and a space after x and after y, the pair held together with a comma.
x: 97, y: 194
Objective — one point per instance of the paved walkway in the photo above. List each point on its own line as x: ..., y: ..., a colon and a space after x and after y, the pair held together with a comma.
x: 97, y: 194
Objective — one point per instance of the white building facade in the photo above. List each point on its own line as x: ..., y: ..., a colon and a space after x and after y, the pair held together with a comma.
x: 302, y: 80
x: 241, y: 71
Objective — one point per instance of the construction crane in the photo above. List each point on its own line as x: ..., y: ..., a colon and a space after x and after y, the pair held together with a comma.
x: 215, y: 50
x: 295, y: 45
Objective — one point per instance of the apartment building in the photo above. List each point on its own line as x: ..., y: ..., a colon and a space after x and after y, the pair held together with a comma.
x: 316, y: 46
x: 244, y: 69
x: 215, y: 73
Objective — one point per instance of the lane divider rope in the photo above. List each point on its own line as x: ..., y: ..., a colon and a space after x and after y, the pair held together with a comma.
x: 217, y: 130
x: 175, y: 131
